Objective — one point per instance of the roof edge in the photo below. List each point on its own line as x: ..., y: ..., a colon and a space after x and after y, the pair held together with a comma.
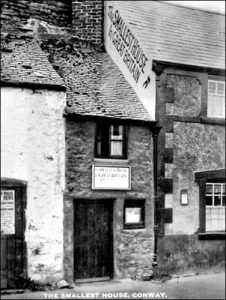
x: 164, y: 64
x: 193, y: 8
x: 73, y: 115
x: 33, y: 85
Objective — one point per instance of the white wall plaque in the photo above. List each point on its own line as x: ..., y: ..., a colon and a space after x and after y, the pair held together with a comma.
x: 111, y: 178
x: 8, y: 212
x: 184, y: 197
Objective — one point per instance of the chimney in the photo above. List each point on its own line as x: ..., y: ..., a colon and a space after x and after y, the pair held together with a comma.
x: 88, y: 20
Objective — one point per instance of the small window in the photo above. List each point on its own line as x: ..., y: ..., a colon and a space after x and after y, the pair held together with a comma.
x: 215, y: 206
x: 110, y: 141
x: 216, y: 99
x: 134, y: 214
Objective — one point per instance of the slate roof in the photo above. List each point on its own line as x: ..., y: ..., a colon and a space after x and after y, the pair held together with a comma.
x: 176, y: 34
x: 96, y: 87
x: 23, y: 62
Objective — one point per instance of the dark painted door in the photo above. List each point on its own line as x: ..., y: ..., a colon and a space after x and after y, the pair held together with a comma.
x: 93, y: 239
x: 12, y: 237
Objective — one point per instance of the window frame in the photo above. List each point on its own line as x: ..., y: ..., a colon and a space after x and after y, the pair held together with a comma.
x: 136, y: 203
x: 216, y: 80
x: 212, y: 194
x: 106, y: 147
x: 214, y: 207
x: 202, y: 178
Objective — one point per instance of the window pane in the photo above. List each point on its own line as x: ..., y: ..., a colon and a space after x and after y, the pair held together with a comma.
x: 116, y: 140
x: 223, y: 193
x: 209, y: 189
x: 116, y: 132
x: 98, y: 148
x: 217, y: 200
x: 217, y: 189
x: 209, y: 200
x: 133, y: 215
x: 223, y: 200
x: 102, y: 140
x: 215, y: 218
x: 116, y: 148
x: 220, y: 88
x: 216, y: 106
x: 212, y: 87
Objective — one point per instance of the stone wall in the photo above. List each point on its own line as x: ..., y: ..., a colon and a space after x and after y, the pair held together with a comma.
x: 197, y: 147
x: 186, y: 94
x: 53, y: 12
x: 188, y: 143
x: 33, y: 150
x: 186, y: 253
x: 133, y: 249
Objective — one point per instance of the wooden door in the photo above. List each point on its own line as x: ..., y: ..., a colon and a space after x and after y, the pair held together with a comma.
x: 93, y: 240
x: 12, y: 237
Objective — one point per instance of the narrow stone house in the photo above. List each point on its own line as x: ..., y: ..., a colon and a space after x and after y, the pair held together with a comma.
x: 108, y: 199
x: 32, y: 163
x: 182, y: 50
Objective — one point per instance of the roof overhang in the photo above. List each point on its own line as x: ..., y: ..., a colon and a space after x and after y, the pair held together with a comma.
x: 33, y: 85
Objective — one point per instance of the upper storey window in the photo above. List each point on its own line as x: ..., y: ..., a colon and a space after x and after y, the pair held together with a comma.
x: 216, y: 99
x: 111, y: 141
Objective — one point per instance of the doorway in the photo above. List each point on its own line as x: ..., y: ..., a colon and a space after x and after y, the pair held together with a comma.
x: 93, y: 240
x: 13, y: 248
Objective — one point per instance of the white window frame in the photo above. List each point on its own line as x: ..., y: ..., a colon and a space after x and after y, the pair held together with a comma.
x: 116, y: 139
x: 215, y: 210
x: 216, y: 94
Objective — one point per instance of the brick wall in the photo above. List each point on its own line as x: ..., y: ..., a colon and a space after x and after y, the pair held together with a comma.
x: 53, y: 12
x: 87, y: 20
x: 84, y: 17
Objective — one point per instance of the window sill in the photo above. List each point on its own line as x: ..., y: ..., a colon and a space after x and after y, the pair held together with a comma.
x: 218, y: 235
x: 217, y: 121
x: 110, y: 161
x: 134, y: 226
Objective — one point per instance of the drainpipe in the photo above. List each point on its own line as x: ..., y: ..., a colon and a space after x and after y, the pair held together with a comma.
x: 155, y: 133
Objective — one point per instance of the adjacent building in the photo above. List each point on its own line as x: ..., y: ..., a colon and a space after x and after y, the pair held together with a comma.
x: 32, y: 163
x: 182, y: 51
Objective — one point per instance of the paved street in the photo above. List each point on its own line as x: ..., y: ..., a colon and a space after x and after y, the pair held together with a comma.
x: 203, y: 286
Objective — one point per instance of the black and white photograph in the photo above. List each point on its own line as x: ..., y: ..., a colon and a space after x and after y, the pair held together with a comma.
x: 112, y: 149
